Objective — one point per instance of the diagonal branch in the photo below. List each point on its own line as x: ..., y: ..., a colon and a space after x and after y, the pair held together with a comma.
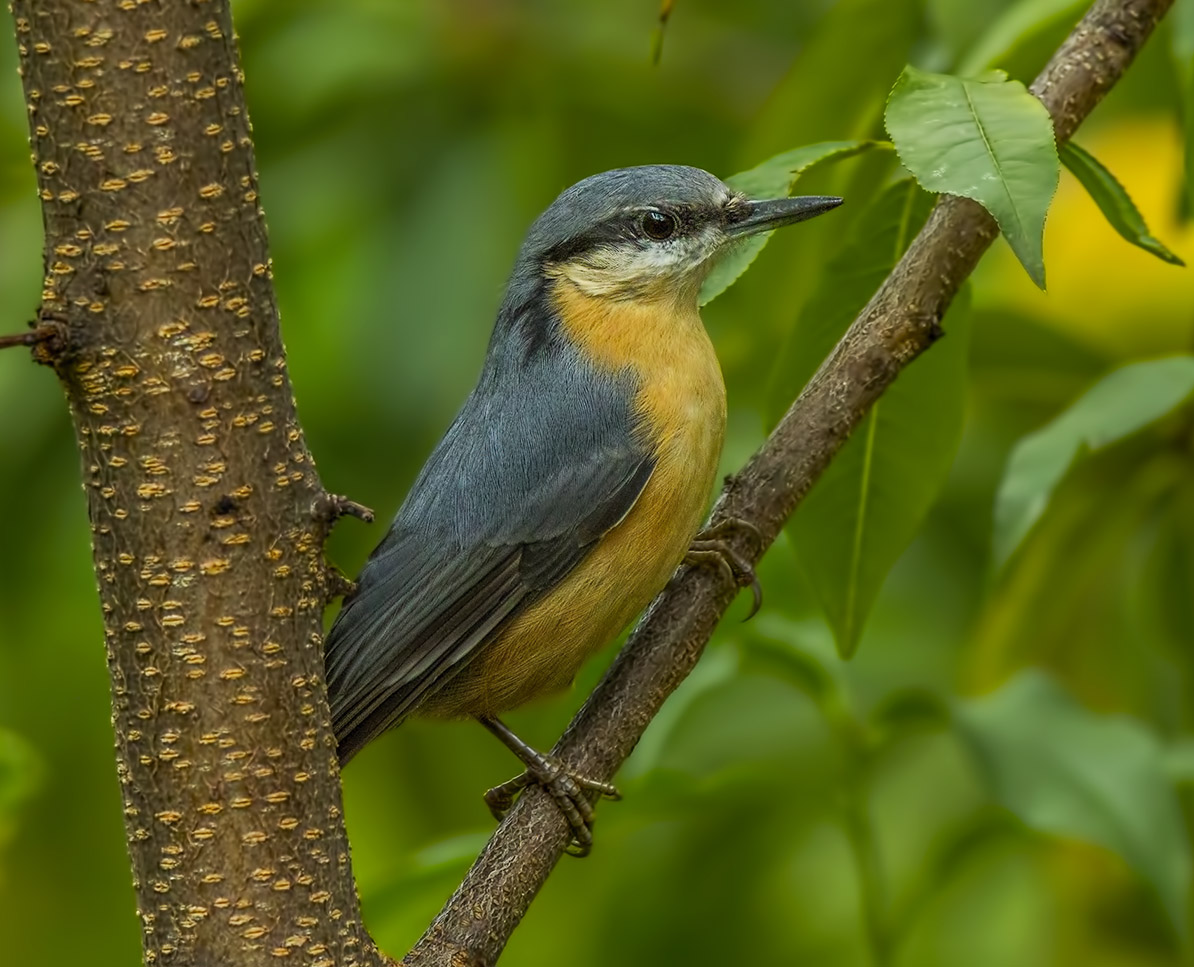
x: 900, y: 322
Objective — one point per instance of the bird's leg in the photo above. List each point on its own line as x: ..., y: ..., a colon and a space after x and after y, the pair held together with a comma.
x: 711, y: 548
x: 569, y: 790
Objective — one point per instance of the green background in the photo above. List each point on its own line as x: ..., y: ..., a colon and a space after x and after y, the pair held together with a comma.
x: 403, y: 147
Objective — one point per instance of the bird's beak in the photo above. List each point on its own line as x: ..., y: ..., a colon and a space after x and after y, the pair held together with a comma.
x: 763, y: 216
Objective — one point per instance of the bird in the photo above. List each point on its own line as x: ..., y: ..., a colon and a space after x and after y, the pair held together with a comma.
x: 571, y: 483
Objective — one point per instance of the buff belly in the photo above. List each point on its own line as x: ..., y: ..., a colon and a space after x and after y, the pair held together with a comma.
x: 681, y: 403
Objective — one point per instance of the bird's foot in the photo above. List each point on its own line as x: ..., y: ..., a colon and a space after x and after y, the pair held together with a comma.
x: 571, y: 791
x: 568, y: 789
x: 711, y: 548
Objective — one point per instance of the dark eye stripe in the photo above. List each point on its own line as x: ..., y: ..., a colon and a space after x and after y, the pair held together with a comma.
x: 624, y: 228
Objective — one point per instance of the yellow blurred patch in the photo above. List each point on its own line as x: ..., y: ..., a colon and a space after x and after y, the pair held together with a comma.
x: 1112, y: 296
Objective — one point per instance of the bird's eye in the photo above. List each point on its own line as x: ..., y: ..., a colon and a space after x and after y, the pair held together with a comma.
x: 659, y: 225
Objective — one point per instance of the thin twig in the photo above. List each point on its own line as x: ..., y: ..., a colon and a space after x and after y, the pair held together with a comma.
x: 665, y: 11
x: 329, y: 508
x: 898, y: 324
x: 30, y: 338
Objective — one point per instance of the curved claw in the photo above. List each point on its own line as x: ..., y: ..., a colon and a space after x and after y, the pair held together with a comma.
x: 728, y: 527
x: 756, y: 593
x: 711, y: 547
x: 570, y: 790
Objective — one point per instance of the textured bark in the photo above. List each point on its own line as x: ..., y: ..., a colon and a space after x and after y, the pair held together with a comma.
x: 901, y: 321
x: 207, y: 515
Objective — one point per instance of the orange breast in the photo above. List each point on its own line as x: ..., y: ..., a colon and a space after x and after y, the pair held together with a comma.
x: 682, y: 404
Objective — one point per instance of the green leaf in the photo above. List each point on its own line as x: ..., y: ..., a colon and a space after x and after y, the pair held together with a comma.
x: 774, y: 178
x: 778, y: 175
x: 1182, y: 48
x: 1067, y: 771
x: 877, y: 239
x: 1113, y: 201
x: 984, y: 138
x: 1118, y: 405
x: 1016, y: 25
x: 869, y: 503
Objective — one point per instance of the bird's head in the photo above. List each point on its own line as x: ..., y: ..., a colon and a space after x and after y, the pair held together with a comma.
x: 650, y: 232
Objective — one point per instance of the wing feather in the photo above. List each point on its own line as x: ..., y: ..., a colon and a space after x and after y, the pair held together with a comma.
x: 532, y: 473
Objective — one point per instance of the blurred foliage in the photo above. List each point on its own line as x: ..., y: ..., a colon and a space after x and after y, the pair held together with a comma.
x: 786, y: 806
x: 1115, y: 407
x: 868, y: 505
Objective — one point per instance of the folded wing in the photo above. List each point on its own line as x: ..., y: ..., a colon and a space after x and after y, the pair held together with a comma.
x: 530, y: 476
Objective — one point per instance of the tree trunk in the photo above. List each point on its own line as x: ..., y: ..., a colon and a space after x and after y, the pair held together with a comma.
x: 206, y: 511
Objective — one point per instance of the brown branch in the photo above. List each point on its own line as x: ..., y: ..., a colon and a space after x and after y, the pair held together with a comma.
x: 30, y: 338
x: 329, y: 508
x: 900, y: 322
x: 200, y: 487
x: 49, y: 334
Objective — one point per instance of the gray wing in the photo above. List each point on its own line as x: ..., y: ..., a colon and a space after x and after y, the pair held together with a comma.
x: 531, y: 474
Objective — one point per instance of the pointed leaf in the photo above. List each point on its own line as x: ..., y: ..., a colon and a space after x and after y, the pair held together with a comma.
x: 1118, y: 405
x: 1113, y: 201
x: 774, y: 178
x: 869, y: 503
x: 984, y: 138
x: 1098, y: 778
x: 778, y: 175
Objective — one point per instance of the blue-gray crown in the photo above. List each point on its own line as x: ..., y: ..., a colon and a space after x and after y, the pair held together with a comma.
x: 599, y: 198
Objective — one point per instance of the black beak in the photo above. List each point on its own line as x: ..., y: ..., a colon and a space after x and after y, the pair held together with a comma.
x: 762, y: 216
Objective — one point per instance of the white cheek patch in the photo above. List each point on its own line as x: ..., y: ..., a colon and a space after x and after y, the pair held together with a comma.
x: 631, y: 269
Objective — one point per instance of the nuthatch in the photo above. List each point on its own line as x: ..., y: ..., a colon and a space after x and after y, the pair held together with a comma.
x: 572, y: 481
